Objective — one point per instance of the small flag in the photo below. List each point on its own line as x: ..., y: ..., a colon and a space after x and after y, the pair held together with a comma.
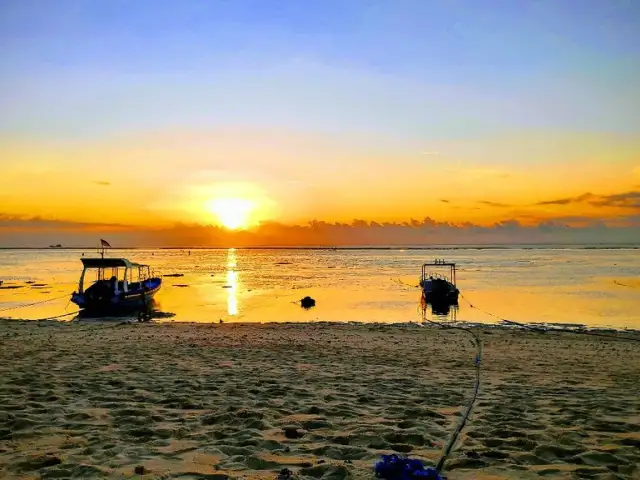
x: 104, y: 243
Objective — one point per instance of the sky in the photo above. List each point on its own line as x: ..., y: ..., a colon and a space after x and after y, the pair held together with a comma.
x: 248, y: 121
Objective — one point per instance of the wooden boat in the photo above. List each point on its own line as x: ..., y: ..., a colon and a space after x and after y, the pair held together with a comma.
x: 438, y: 288
x: 119, y: 284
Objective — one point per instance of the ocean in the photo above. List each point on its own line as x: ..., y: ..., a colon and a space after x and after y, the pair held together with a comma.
x: 593, y: 286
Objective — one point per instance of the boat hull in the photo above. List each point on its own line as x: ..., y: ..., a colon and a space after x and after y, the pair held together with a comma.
x: 439, y: 291
x: 138, y: 298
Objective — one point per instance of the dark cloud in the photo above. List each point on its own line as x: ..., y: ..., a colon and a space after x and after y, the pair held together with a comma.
x: 568, y: 200
x: 494, y: 204
x: 625, y: 200
x: 443, y: 200
x: 36, y: 231
x: 18, y: 221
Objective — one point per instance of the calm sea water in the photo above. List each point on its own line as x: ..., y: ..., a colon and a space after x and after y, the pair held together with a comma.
x: 592, y: 286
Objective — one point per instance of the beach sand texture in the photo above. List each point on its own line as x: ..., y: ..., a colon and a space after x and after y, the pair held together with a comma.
x: 209, y: 401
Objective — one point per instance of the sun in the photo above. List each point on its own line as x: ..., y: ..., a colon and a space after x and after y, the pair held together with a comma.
x: 232, y: 213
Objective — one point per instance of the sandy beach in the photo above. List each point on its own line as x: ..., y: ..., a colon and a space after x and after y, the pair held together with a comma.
x: 189, y: 401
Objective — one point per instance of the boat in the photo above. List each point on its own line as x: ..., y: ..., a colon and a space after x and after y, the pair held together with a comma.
x: 437, y: 288
x: 119, y: 285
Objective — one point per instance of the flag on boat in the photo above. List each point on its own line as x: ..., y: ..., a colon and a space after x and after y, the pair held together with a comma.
x: 104, y: 243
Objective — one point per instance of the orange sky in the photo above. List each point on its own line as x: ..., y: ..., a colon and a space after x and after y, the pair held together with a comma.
x: 161, y: 178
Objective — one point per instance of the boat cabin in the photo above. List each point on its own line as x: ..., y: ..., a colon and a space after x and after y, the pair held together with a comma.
x: 430, y: 272
x: 119, y: 274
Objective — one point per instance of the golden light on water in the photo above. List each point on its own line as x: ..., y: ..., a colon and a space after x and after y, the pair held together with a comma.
x: 232, y: 283
x: 232, y: 213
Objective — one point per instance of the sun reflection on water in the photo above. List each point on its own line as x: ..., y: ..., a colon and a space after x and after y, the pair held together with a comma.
x: 232, y: 282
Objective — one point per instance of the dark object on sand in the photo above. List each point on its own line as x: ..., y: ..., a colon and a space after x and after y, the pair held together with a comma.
x: 307, y: 302
x: 180, y: 285
x: 174, y: 275
x: 293, y: 432
x: 394, y: 467
x: 140, y: 470
x: 285, y: 474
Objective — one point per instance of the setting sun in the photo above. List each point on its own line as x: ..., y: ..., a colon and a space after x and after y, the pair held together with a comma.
x: 232, y: 213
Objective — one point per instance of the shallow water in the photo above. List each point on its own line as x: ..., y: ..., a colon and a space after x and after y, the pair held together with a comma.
x: 591, y: 286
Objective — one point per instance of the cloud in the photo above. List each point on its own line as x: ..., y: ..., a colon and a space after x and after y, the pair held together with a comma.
x: 625, y: 200
x: 494, y: 204
x: 443, y: 200
x: 567, y: 200
x: 621, y: 200
x: 35, y: 231
x: 23, y: 222
x: 102, y: 182
x: 430, y: 154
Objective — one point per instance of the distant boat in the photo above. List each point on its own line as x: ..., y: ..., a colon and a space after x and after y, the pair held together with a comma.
x: 131, y: 285
x: 55, y: 246
x: 439, y: 289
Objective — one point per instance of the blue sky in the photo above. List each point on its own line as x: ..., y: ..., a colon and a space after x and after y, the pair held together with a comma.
x: 413, y: 69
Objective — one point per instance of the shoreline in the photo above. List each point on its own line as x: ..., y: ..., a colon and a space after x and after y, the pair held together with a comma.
x: 325, y: 400
x: 543, y: 327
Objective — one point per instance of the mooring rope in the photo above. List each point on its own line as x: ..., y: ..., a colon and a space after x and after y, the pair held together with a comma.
x: 476, y: 388
x: 34, y: 303
x: 544, y: 329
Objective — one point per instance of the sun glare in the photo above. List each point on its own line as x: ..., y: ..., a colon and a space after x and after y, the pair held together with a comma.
x: 232, y: 213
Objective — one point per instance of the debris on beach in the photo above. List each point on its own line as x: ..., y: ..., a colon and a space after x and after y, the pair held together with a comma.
x: 173, y: 275
x: 307, y: 302
x: 285, y: 474
x: 292, y: 432
x: 180, y: 285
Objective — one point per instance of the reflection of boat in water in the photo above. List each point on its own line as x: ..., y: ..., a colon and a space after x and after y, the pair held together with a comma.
x: 439, y: 290
x: 129, y: 286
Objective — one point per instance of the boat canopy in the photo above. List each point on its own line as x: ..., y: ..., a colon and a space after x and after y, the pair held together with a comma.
x: 109, y: 263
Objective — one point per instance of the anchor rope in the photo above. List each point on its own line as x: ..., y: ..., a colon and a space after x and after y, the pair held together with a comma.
x: 476, y: 388
x: 34, y: 303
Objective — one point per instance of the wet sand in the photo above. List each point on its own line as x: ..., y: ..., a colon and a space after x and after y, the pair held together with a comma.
x: 209, y: 401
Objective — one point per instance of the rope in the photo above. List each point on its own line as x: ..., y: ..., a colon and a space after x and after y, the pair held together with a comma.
x: 34, y: 303
x: 476, y: 387
x: 405, y: 284
x: 510, y: 322
x: 478, y: 364
x: 53, y: 318
x: 543, y: 329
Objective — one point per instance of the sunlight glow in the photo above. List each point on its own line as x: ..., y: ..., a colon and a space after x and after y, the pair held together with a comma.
x: 232, y: 213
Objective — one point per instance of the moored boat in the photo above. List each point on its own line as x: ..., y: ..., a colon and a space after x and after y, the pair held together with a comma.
x: 119, y: 284
x: 436, y: 287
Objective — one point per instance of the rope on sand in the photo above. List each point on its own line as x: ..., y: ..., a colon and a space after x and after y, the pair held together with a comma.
x: 476, y: 388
